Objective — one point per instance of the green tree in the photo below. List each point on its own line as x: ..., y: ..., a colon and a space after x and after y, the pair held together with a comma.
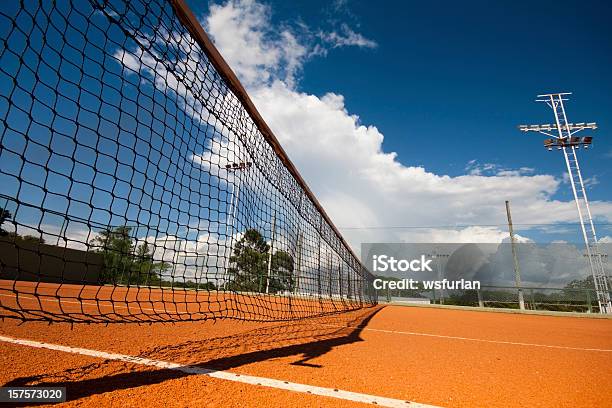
x: 250, y: 262
x: 32, y: 239
x: 25, y: 238
x: 581, y: 289
x: 250, y: 265
x: 144, y: 270
x: 124, y: 263
x: 586, y: 283
x: 5, y: 215
x: 116, y: 248
x: 281, y: 278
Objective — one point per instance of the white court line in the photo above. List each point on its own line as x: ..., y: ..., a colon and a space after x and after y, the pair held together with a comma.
x: 226, y: 375
x: 441, y: 336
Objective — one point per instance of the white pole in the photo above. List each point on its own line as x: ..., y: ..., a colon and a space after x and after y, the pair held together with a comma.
x: 340, y: 279
x: 586, y: 202
x: 271, y: 250
x: 517, y: 271
x: 571, y: 176
x: 230, y: 231
x: 569, y: 170
x: 572, y: 181
x: 605, y: 305
x: 564, y: 141
x: 329, y: 275
x: 299, y: 262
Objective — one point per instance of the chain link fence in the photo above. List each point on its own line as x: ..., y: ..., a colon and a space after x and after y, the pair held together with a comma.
x: 579, y: 300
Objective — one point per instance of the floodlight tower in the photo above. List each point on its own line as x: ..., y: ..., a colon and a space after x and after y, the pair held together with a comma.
x: 563, y: 139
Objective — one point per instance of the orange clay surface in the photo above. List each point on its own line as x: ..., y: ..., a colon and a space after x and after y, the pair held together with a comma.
x: 392, y: 351
x: 83, y: 303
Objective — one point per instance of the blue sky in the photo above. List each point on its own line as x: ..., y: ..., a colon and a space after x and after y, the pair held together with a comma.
x: 448, y: 84
x: 398, y: 116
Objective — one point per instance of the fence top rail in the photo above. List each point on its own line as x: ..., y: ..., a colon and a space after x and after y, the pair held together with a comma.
x: 534, y: 288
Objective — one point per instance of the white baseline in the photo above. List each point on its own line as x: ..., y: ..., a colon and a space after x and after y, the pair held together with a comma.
x: 226, y: 375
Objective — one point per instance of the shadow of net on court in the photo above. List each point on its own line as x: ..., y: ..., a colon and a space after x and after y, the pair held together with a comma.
x: 300, y: 343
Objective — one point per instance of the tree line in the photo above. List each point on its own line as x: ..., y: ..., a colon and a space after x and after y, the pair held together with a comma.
x: 255, y: 269
x: 254, y: 266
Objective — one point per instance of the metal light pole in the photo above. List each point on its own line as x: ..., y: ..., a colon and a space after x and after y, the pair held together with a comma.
x: 517, y: 271
x: 299, y: 262
x: 563, y: 139
x: 270, y: 253
x: 232, y: 167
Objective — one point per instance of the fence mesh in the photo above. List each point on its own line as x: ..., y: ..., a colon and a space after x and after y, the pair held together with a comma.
x: 580, y: 300
x: 138, y: 183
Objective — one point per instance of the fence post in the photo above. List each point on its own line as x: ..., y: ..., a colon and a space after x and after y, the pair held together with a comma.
x: 480, y: 302
x: 533, y: 300
x: 588, y: 296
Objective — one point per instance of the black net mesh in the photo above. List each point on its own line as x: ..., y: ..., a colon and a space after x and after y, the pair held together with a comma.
x: 135, y: 184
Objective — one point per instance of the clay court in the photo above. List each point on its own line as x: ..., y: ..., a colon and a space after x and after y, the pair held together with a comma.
x: 388, y: 355
x: 158, y: 247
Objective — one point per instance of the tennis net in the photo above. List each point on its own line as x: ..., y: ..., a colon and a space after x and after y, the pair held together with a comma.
x: 139, y: 182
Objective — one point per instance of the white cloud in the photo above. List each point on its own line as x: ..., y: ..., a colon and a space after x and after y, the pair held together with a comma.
x: 466, y: 234
x: 339, y: 4
x: 342, y: 160
x: 257, y: 53
x: 475, y: 168
x: 346, y: 37
x: 360, y: 184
